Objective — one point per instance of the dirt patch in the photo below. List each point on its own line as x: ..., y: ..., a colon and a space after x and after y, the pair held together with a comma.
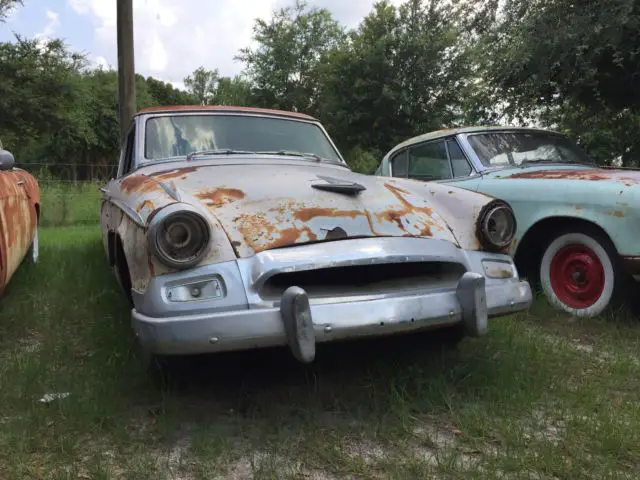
x: 438, y: 442
x: 248, y: 466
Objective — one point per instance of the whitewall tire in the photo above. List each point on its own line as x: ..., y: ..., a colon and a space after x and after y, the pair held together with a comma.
x: 578, y: 273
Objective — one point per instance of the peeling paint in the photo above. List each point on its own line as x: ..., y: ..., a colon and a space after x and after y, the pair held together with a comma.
x: 181, y: 172
x: 616, y: 213
x: 398, y: 215
x: 306, y: 214
x: 145, y: 204
x: 589, y: 174
x: 19, y: 195
x: 139, y: 183
x: 220, y: 196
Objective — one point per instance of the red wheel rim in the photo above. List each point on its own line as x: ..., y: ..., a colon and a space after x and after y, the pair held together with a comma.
x: 577, y: 276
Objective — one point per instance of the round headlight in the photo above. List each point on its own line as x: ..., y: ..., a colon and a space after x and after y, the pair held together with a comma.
x: 497, y: 225
x: 179, y: 237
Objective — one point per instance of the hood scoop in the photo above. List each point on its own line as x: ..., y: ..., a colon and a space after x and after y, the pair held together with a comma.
x: 337, y: 185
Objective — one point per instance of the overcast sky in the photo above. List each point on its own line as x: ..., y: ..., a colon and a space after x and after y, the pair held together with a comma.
x: 172, y: 37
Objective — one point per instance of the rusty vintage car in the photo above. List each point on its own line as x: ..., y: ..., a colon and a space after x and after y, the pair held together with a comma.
x: 237, y: 228
x: 577, y: 234
x: 19, y: 214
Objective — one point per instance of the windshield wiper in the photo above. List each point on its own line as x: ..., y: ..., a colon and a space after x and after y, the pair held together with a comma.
x: 219, y: 151
x: 293, y: 153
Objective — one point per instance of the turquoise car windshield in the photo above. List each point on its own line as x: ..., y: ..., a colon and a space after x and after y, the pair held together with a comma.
x: 520, y: 148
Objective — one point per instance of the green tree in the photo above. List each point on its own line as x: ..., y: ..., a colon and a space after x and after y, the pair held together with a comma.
x: 543, y: 52
x: 40, y: 87
x: 573, y: 65
x: 233, y: 91
x: 292, y: 46
x: 202, y: 84
x: 403, y: 72
x: 164, y: 93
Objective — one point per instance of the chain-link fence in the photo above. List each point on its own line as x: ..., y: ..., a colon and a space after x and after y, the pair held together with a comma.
x: 69, y: 193
x: 69, y: 173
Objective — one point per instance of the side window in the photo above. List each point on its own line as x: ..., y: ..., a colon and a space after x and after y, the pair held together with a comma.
x: 459, y: 163
x: 429, y: 162
x: 128, y: 151
x: 399, y: 165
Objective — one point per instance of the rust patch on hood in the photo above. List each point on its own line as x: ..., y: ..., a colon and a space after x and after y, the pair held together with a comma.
x: 561, y: 174
x: 253, y: 228
x: 397, y: 215
x: 139, y: 183
x: 174, y: 173
x: 220, y: 196
x: 290, y: 236
x: 578, y: 174
x: 306, y: 214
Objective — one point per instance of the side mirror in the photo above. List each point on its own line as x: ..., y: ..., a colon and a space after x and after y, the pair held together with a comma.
x: 6, y: 160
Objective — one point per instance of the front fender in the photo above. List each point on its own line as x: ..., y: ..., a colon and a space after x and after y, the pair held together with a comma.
x: 460, y: 208
x: 616, y: 219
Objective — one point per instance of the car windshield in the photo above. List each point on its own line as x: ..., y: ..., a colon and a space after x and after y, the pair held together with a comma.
x: 517, y: 148
x: 179, y: 135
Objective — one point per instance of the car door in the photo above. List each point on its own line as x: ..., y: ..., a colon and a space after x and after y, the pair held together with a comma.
x: 441, y: 161
x: 16, y: 223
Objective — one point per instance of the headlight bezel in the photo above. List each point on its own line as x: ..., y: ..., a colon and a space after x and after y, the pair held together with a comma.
x: 488, y: 212
x: 172, y: 215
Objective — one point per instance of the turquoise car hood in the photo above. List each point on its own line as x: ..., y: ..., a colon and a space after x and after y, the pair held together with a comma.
x: 568, y: 172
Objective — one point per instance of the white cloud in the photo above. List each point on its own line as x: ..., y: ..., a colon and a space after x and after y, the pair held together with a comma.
x: 53, y: 22
x: 50, y: 28
x: 101, y: 63
x: 174, y: 38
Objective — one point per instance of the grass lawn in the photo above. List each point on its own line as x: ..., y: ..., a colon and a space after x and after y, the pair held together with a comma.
x: 539, y: 397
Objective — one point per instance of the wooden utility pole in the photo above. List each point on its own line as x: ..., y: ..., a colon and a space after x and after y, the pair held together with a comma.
x: 126, y: 67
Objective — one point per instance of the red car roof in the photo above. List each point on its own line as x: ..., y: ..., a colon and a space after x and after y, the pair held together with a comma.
x: 223, y: 108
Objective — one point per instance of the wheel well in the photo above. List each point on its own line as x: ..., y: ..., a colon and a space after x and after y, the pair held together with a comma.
x: 117, y: 256
x: 120, y: 262
x: 111, y: 248
x: 538, y: 236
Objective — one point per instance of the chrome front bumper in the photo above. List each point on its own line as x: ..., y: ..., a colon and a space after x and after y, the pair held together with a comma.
x: 239, y: 319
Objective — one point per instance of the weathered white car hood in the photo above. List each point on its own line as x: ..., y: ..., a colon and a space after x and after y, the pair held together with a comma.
x: 263, y: 207
x: 268, y: 204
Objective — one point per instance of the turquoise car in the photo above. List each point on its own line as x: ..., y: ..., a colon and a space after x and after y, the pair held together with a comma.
x: 578, y: 225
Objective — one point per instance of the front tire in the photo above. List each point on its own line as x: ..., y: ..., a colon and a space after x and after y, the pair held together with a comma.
x: 579, y: 272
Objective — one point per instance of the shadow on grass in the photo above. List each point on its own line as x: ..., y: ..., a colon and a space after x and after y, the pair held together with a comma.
x: 72, y: 309
x: 65, y: 328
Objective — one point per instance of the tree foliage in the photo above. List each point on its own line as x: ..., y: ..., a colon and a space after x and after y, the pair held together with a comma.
x: 402, y: 72
x: 291, y: 49
x: 574, y: 64
x: 6, y: 6
x: 587, y: 52
x: 202, y: 84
